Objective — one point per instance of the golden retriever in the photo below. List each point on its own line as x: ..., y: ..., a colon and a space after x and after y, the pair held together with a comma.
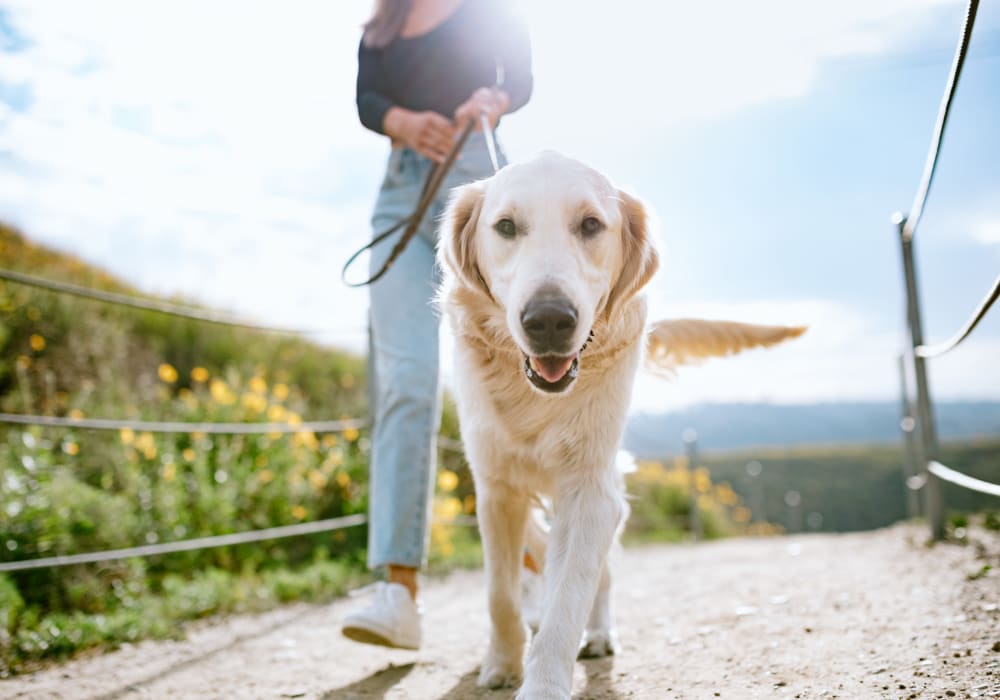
x: 543, y: 265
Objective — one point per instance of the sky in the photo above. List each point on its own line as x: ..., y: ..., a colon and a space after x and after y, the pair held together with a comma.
x: 213, y: 151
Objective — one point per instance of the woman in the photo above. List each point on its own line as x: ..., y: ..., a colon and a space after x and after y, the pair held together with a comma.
x: 425, y: 68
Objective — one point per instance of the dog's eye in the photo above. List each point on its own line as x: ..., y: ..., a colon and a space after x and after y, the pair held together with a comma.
x: 506, y: 228
x: 591, y: 226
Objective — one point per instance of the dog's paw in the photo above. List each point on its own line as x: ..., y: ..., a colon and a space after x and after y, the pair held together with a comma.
x: 495, y: 675
x: 599, y: 643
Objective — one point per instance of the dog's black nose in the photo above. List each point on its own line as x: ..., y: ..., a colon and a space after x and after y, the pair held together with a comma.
x: 549, y: 323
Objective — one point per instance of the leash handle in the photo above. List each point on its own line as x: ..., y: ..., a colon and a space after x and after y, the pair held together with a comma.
x: 431, y: 186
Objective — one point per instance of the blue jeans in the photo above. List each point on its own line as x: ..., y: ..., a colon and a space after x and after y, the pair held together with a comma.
x: 403, y: 377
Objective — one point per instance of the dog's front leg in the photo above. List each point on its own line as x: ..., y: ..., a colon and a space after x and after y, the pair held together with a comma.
x: 587, y: 513
x: 600, y: 638
x: 502, y: 513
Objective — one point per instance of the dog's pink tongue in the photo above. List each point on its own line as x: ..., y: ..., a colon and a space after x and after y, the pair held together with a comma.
x: 552, y: 369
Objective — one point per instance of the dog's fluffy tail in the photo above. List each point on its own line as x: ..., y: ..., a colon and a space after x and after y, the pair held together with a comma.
x: 682, y: 341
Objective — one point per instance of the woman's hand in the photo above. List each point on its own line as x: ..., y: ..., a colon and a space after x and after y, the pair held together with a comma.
x: 493, y: 102
x: 427, y: 133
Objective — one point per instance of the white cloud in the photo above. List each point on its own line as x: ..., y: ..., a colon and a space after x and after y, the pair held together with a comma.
x: 987, y: 230
x: 620, y: 74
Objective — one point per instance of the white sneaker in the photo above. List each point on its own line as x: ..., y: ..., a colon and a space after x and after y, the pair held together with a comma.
x: 392, y: 619
x: 532, y: 590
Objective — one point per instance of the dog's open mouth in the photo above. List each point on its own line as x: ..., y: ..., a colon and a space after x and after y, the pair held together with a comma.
x: 552, y: 373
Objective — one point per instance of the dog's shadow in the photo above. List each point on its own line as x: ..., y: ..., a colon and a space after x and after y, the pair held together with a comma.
x: 599, y: 684
x: 371, y: 687
x: 377, y: 685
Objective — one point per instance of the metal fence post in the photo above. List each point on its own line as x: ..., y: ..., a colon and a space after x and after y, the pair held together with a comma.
x: 911, y: 464
x: 690, y: 438
x: 933, y: 503
x: 754, y: 470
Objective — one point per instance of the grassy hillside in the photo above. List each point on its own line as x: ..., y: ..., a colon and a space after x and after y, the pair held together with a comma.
x: 64, y: 491
x: 849, y: 487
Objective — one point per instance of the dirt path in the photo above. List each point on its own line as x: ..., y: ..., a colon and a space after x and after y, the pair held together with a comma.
x: 871, y: 615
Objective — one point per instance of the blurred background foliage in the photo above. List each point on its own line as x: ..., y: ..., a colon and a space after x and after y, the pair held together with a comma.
x: 66, y: 491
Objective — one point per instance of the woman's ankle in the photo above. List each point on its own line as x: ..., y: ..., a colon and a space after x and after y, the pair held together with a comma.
x: 405, y: 576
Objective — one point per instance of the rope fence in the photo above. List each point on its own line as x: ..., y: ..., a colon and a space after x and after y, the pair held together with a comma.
x: 150, y: 550
x: 928, y: 351
x: 317, y: 426
x: 963, y: 480
x: 216, y: 428
x: 158, y: 306
x: 930, y: 166
x: 919, y: 429
x: 236, y: 538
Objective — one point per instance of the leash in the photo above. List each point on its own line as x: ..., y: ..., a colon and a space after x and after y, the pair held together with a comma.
x: 427, y: 194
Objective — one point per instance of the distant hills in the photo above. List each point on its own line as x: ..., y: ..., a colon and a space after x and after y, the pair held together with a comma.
x: 737, y: 426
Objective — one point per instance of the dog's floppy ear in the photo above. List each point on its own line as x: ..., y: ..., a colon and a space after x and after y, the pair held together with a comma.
x: 458, y: 234
x: 639, y: 257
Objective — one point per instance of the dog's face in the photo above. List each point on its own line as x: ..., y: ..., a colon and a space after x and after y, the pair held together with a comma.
x: 554, y: 246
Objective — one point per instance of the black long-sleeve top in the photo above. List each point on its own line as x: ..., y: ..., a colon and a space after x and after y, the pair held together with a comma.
x: 478, y: 45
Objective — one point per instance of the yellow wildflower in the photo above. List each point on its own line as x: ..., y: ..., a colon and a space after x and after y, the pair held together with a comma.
x: 298, y: 512
x: 127, y: 436
x: 221, y: 392
x: 258, y: 385
x: 37, y: 342
x: 280, y: 391
x: 75, y: 414
x: 726, y: 496
x: 316, y: 480
x: 265, y: 476
x: 276, y: 414
x: 253, y: 402
x: 293, y: 418
x: 199, y: 374
x: 447, y: 508
x: 447, y: 480
x: 351, y: 434
x: 71, y: 448
x: 144, y: 441
x: 188, y: 454
x: 343, y: 480
x: 305, y: 438
x: 167, y: 373
x: 702, y: 482
x: 441, y: 539
x: 329, y: 440
x: 169, y: 471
